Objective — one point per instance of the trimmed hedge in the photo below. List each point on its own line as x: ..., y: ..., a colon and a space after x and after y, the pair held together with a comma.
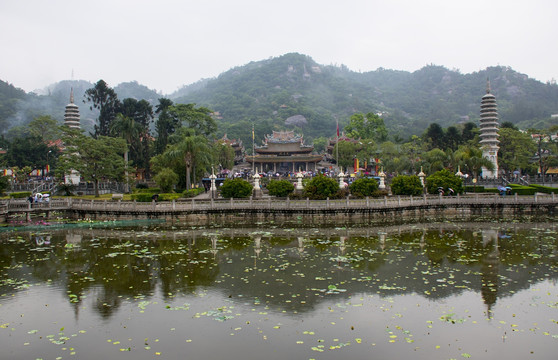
x: 193, y: 192
x: 545, y: 189
x: 20, y: 195
x: 147, y: 191
x: 142, y: 197
x: 148, y: 197
x: 522, y: 190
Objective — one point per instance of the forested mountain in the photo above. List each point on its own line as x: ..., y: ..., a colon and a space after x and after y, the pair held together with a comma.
x: 293, y: 91
x: 271, y: 91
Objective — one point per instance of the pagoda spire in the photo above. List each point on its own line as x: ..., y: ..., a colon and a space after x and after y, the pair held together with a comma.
x: 71, y: 95
x: 487, y: 85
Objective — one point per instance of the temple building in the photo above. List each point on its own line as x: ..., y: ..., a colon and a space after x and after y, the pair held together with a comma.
x: 284, y: 151
x: 489, y: 132
x: 239, y: 151
x: 71, y: 115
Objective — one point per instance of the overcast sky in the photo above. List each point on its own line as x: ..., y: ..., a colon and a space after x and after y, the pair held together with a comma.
x: 165, y: 44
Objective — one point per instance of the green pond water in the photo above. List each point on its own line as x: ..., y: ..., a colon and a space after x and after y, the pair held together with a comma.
x: 436, y: 290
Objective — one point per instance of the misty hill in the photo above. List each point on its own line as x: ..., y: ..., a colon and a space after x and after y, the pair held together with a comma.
x: 293, y: 91
x: 269, y: 92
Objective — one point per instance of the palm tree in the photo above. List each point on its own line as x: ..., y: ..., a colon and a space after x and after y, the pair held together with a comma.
x: 128, y: 129
x: 470, y: 159
x: 193, y: 151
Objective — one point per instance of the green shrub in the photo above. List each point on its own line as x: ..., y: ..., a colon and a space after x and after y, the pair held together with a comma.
x: 166, y: 179
x: 193, y: 192
x: 545, y: 189
x: 4, y: 184
x: 406, y: 185
x: 168, y: 196
x: 473, y: 189
x: 147, y: 191
x: 280, y: 188
x: 363, y: 187
x: 523, y: 190
x: 322, y: 187
x: 142, y: 197
x: 236, y: 188
x: 444, y: 179
x: 20, y: 195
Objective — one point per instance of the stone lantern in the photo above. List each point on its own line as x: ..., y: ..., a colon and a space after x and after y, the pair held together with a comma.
x: 459, y: 173
x: 341, y: 178
x: 299, y: 177
x: 382, y: 176
x: 257, y: 188
x: 213, y: 188
x: 421, y: 176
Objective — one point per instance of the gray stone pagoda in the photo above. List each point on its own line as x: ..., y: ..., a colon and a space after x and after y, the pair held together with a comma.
x: 71, y: 116
x: 489, y: 132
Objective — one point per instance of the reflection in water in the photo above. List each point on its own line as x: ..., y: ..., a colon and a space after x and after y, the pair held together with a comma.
x: 292, y: 272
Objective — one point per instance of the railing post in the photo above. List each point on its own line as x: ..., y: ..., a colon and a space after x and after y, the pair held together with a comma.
x: 173, y: 204
x: 440, y: 198
x: 193, y: 202
x: 288, y: 203
x: 269, y: 203
x: 398, y: 200
x: 308, y: 203
x: 251, y: 198
x: 515, y: 196
x: 535, y: 197
x: 411, y: 199
x: 327, y: 202
x: 347, y: 201
x: 367, y: 201
x: 424, y: 197
x: 231, y: 202
x: 385, y: 200
x: 153, y: 203
x: 212, y: 203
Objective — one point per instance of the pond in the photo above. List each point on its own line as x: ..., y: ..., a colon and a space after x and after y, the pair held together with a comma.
x: 442, y: 290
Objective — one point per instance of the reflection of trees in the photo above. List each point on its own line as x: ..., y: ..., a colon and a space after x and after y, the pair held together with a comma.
x: 289, y: 271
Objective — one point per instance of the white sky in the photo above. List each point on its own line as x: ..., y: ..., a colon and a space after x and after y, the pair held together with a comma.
x: 165, y: 44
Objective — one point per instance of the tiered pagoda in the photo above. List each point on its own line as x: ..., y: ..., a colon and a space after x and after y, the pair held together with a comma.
x: 71, y: 115
x: 284, y: 151
x: 489, y: 132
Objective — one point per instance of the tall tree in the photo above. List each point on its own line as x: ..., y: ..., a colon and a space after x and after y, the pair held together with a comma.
x: 106, y: 101
x: 189, y: 152
x: 165, y: 126
x: 516, y: 149
x: 198, y: 119
x: 434, y: 134
x: 45, y: 127
x: 94, y: 159
x: 369, y: 126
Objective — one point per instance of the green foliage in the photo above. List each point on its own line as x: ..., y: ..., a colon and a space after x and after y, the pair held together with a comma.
x: 95, y: 159
x: 321, y: 187
x: 168, y: 196
x: 545, y: 189
x: 369, y: 126
x: 523, y: 190
x: 166, y: 179
x: 406, y: 185
x: 363, y: 187
x: 193, y: 192
x: 147, y: 190
x: 236, y: 188
x: 20, y: 195
x: 104, y: 99
x: 444, y: 179
x: 66, y: 189
x: 142, y: 197
x: 142, y: 186
x: 4, y: 184
x: 280, y: 188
